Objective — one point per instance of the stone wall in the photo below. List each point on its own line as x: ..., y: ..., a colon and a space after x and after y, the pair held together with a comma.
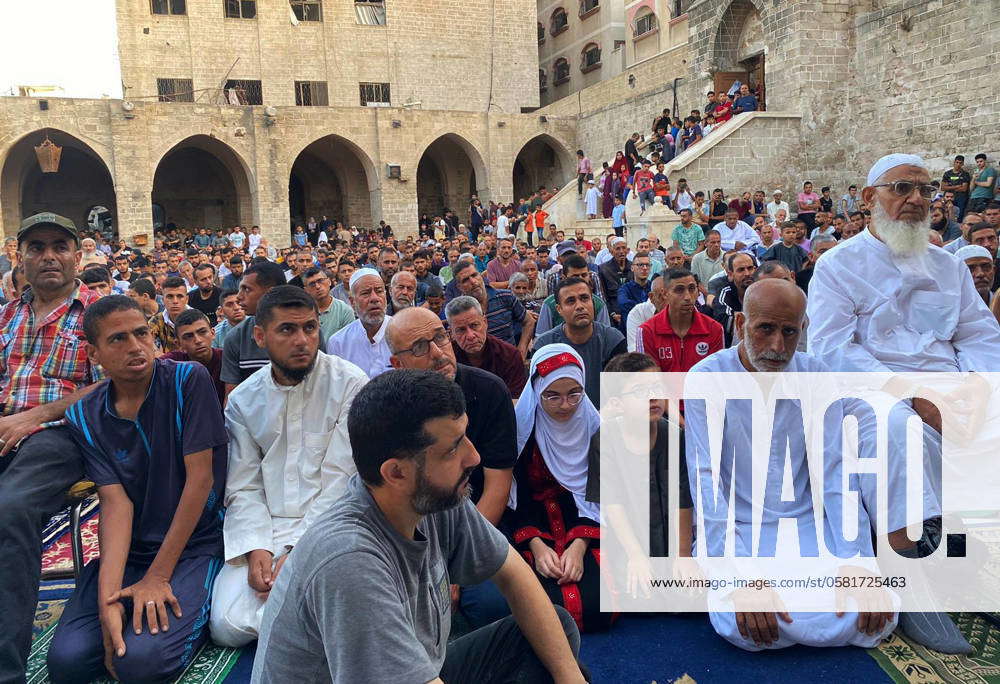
x: 484, y: 58
x: 612, y: 110
x: 258, y: 153
x: 760, y: 155
x: 924, y: 80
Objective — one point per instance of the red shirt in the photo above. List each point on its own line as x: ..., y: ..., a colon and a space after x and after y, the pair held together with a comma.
x: 44, y: 361
x: 643, y: 181
x: 675, y: 354
x: 723, y: 112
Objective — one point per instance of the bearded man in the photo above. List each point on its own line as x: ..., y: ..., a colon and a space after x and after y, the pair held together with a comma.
x: 982, y: 268
x: 289, y: 457
x: 402, y: 291
x: 363, y: 341
x: 888, y: 301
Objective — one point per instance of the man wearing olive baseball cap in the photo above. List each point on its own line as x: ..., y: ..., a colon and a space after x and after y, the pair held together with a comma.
x: 45, y: 369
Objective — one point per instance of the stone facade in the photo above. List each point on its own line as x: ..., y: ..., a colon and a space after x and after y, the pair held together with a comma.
x: 588, y: 23
x: 251, y: 157
x: 847, y: 81
x: 446, y: 54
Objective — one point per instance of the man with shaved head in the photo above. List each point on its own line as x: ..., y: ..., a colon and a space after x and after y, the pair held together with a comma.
x: 418, y: 341
x: 888, y: 301
x: 768, y: 329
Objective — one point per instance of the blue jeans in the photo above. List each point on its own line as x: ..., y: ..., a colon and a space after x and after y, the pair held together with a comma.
x: 646, y: 197
x: 483, y: 604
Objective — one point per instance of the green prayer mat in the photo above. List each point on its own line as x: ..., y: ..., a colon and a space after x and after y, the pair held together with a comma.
x: 907, y: 662
x: 210, y: 665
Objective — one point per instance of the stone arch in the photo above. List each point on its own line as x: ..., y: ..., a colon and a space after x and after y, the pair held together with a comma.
x: 541, y: 160
x: 201, y: 182
x: 732, y: 23
x: 449, y: 170
x: 333, y: 176
x: 84, y: 180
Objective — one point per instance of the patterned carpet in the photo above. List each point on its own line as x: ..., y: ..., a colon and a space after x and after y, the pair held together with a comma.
x: 903, y: 661
x: 210, y: 666
x: 907, y: 662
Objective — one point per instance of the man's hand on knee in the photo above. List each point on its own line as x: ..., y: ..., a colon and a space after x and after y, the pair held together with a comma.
x: 14, y: 428
x: 259, y: 574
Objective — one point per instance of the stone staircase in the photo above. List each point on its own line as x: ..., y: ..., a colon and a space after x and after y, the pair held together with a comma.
x: 744, y: 152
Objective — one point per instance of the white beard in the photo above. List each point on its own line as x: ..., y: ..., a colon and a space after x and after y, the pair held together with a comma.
x: 903, y: 238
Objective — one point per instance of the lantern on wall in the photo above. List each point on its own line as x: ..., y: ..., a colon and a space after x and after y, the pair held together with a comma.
x: 48, y: 154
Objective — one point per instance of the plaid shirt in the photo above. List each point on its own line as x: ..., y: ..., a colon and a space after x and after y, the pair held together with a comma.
x: 46, y: 362
x: 164, y: 333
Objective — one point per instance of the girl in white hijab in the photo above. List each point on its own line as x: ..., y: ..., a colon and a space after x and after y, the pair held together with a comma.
x: 555, y: 527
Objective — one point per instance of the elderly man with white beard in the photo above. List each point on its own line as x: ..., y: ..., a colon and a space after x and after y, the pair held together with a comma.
x: 887, y: 301
x: 363, y: 341
x: 768, y: 330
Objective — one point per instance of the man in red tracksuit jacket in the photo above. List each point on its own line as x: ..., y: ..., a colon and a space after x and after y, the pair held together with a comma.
x: 679, y: 336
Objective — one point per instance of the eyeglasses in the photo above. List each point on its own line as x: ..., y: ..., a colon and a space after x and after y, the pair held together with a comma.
x: 421, y: 347
x: 904, y: 188
x: 554, y: 400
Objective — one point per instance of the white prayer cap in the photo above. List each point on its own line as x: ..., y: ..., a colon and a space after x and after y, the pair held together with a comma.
x: 616, y: 241
x: 973, y: 252
x: 777, y: 192
x: 361, y: 273
x: 891, y: 161
x: 590, y: 182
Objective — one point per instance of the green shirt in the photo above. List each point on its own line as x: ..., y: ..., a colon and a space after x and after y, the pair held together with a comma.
x: 978, y: 191
x: 334, y: 318
x: 688, y: 238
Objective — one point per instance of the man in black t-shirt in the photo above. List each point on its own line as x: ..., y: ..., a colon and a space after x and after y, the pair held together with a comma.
x: 957, y: 180
x: 413, y: 336
x: 418, y: 340
x: 206, y: 298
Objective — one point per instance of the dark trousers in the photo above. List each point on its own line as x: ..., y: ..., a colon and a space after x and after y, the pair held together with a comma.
x: 483, y: 604
x: 960, y: 204
x: 531, y: 235
x: 33, y: 485
x: 77, y: 650
x: 582, y: 178
x: 500, y: 654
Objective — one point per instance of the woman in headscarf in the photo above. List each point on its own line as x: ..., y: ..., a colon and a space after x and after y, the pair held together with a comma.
x: 611, y: 187
x: 554, y: 526
x: 620, y: 164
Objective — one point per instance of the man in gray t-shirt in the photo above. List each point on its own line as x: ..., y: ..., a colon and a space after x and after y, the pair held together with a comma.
x: 594, y: 342
x: 364, y: 595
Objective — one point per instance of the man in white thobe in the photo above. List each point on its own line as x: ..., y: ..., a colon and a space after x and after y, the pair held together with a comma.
x: 772, y: 309
x: 363, y: 341
x: 888, y: 301
x: 736, y: 234
x: 289, y: 457
x: 777, y: 205
x: 593, y: 199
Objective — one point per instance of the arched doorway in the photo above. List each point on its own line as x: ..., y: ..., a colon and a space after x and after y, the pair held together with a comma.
x: 202, y: 183
x: 543, y: 160
x: 82, y: 183
x: 739, y: 49
x: 449, y: 172
x: 332, y: 177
